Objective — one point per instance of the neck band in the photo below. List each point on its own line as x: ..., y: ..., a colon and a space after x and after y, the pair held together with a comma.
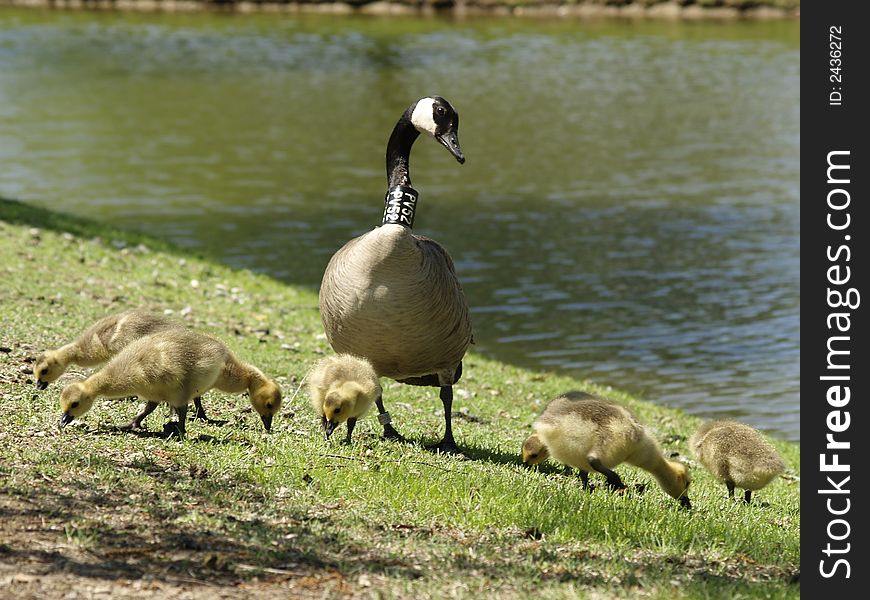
x: 399, y: 206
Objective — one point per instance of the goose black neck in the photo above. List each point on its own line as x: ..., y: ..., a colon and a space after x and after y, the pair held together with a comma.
x: 399, y: 152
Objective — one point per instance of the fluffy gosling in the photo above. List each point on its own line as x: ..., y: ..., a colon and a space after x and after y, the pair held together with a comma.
x: 342, y: 388
x: 590, y: 433
x: 235, y: 377
x: 170, y: 366
x: 737, y: 455
x: 100, y: 342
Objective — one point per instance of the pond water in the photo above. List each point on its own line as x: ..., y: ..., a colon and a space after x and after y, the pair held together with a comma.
x: 628, y: 212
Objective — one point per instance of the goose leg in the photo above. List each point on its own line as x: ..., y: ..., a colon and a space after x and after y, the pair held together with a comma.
x: 584, y: 477
x: 384, y: 417
x: 613, y: 480
x: 176, y: 428
x: 200, y: 415
x: 730, y: 485
x: 200, y: 411
x: 447, y: 445
x: 351, y: 423
x: 747, y: 497
x: 136, y: 423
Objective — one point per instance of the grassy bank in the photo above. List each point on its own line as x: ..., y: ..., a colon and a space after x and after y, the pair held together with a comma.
x: 233, y: 511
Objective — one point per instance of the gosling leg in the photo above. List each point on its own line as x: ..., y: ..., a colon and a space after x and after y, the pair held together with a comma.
x: 351, y: 423
x: 584, y: 477
x: 730, y: 485
x: 136, y: 423
x: 200, y: 411
x: 176, y: 428
x: 390, y: 432
x: 747, y: 497
x: 613, y: 480
x: 447, y: 445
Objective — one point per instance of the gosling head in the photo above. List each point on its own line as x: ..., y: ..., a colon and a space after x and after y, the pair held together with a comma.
x: 47, y: 369
x: 341, y: 403
x: 678, y: 485
x: 434, y: 116
x: 266, y: 400
x: 534, y: 450
x: 74, y: 402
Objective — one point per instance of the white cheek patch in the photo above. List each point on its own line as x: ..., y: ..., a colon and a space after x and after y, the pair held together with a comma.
x: 421, y: 118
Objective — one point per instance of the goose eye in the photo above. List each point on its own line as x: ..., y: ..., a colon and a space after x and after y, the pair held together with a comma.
x: 441, y: 111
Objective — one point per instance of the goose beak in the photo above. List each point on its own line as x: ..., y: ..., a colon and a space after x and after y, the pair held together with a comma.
x: 330, y: 427
x: 684, y: 502
x: 267, y: 422
x: 450, y: 140
x: 66, y: 419
x: 41, y: 385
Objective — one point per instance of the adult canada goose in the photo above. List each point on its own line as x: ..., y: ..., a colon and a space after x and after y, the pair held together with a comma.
x: 100, y: 342
x: 590, y: 433
x: 170, y: 366
x: 342, y: 388
x: 393, y: 297
x: 737, y: 455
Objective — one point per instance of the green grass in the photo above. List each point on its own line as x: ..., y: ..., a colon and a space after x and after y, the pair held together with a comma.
x: 289, y: 513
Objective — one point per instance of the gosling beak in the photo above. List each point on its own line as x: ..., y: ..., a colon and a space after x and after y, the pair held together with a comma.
x: 330, y: 427
x: 41, y: 385
x: 684, y: 502
x: 66, y: 419
x: 267, y: 422
x: 450, y: 140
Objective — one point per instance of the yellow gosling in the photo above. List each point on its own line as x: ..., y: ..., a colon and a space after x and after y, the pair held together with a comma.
x: 170, y: 366
x: 342, y: 389
x: 737, y: 455
x: 264, y: 393
x: 99, y: 342
x: 593, y: 434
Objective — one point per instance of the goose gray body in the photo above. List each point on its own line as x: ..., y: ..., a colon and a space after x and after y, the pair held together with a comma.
x: 393, y: 297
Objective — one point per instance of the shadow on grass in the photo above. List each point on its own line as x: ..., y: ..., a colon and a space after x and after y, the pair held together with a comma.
x: 106, y: 536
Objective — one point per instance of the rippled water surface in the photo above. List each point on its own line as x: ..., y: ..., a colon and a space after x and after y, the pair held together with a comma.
x: 628, y: 212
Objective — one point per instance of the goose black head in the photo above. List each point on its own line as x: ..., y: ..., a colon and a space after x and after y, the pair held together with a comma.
x: 435, y: 116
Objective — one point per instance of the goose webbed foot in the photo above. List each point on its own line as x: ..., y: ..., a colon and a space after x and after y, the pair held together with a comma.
x: 384, y: 418
x: 176, y: 428
x: 445, y: 446
x: 172, y: 429
x: 614, y: 482
x: 136, y: 423
x: 391, y: 434
x: 199, y: 415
